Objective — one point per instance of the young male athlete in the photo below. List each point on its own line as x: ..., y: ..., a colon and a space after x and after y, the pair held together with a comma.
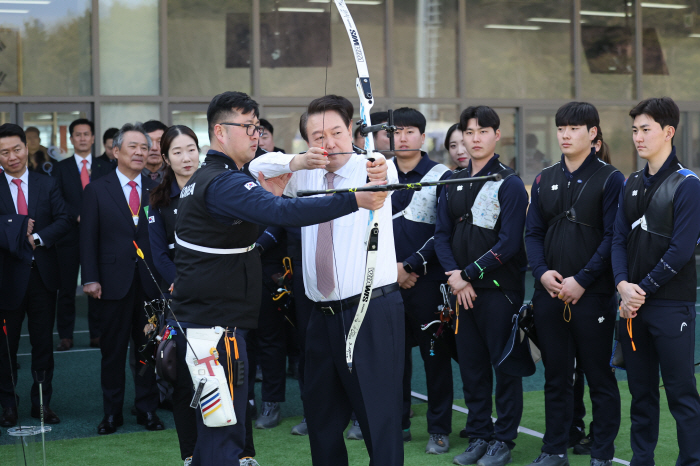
x: 420, y: 275
x: 569, y: 233
x: 484, y: 257
x: 653, y: 253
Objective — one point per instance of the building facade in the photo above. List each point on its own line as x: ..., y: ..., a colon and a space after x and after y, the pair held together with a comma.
x: 115, y: 61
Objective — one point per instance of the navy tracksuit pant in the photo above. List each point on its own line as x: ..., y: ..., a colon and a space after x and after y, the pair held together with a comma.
x: 272, y: 340
x: 664, y: 337
x: 372, y: 389
x: 481, y: 335
x: 304, y: 308
x: 421, y: 305
x: 585, y: 341
x: 217, y: 445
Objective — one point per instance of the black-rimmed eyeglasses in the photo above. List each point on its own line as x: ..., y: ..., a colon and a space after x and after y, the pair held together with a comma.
x: 250, y: 129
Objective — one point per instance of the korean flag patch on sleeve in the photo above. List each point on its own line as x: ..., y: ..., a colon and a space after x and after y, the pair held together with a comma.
x: 250, y: 185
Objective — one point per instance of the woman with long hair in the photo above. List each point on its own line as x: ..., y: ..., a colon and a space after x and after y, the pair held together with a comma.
x: 180, y: 151
x: 454, y: 143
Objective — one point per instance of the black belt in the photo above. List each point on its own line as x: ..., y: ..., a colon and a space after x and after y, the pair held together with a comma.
x: 333, y: 307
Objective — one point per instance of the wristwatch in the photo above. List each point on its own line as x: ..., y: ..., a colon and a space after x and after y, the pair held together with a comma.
x: 464, y: 275
x: 37, y: 240
x: 407, y: 267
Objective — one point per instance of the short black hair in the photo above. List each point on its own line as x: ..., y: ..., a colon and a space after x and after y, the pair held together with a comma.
x: 406, y: 116
x: 330, y: 102
x: 81, y: 121
x: 485, y: 116
x: 225, y: 104
x: 267, y: 125
x: 10, y: 129
x: 662, y: 110
x: 577, y: 114
x: 451, y: 130
x: 154, y: 125
x: 109, y: 134
x: 377, y: 118
x: 32, y: 129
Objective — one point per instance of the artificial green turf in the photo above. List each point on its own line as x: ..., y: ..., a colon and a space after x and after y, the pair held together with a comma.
x: 276, y: 447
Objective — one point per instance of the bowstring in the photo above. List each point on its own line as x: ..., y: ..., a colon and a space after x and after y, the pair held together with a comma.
x: 323, y: 132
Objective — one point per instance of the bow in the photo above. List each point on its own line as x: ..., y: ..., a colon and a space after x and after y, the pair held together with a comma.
x: 364, y: 91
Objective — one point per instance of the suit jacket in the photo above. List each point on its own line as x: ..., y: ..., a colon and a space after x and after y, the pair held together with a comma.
x: 107, y: 235
x: 68, y: 177
x: 51, y: 222
x: 104, y: 157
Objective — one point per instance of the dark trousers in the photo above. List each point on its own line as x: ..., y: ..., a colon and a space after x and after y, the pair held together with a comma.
x: 372, y: 389
x: 69, y: 266
x: 665, y: 338
x: 421, y: 304
x: 579, y: 407
x: 481, y: 336
x: 303, y: 307
x: 122, y: 320
x: 219, y: 445
x: 39, y: 306
x: 185, y: 417
x: 587, y: 339
x: 272, y: 341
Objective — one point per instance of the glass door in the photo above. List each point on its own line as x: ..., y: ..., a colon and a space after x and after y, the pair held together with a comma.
x: 47, y: 127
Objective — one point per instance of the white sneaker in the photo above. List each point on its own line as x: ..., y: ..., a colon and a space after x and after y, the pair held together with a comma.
x: 249, y: 462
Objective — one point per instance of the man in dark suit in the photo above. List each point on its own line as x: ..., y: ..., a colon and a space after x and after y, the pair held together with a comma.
x: 113, y: 217
x: 73, y: 174
x: 107, y: 142
x: 30, y: 276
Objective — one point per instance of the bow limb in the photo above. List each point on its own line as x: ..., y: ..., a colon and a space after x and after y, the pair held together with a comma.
x: 364, y: 91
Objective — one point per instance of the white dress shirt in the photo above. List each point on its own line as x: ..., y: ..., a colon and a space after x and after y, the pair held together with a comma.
x: 13, y: 187
x: 124, y: 181
x: 25, y: 190
x: 349, y: 232
x: 79, y: 161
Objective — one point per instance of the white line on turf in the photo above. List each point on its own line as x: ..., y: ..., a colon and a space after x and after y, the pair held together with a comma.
x: 65, y: 352
x: 522, y: 429
x: 56, y: 333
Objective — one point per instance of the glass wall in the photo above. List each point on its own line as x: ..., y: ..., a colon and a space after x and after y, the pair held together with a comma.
x: 607, y: 57
x: 129, y: 47
x: 115, y: 115
x: 518, y: 50
x: 209, y: 47
x: 425, y: 48
x: 672, y: 49
x: 45, y: 48
x: 54, y: 138
x: 303, y: 40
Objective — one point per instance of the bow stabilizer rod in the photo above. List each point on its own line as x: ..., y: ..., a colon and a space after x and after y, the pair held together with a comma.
x: 401, y: 186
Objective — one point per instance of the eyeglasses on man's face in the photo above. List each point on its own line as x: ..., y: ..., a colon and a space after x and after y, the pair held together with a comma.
x: 250, y: 129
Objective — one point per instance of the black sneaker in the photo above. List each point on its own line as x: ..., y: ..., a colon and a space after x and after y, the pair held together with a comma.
x: 545, y: 459
x: 477, y: 448
x: 498, y: 454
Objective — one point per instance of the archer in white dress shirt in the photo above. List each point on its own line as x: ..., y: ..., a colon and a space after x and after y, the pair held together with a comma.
x: 349, y: 232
